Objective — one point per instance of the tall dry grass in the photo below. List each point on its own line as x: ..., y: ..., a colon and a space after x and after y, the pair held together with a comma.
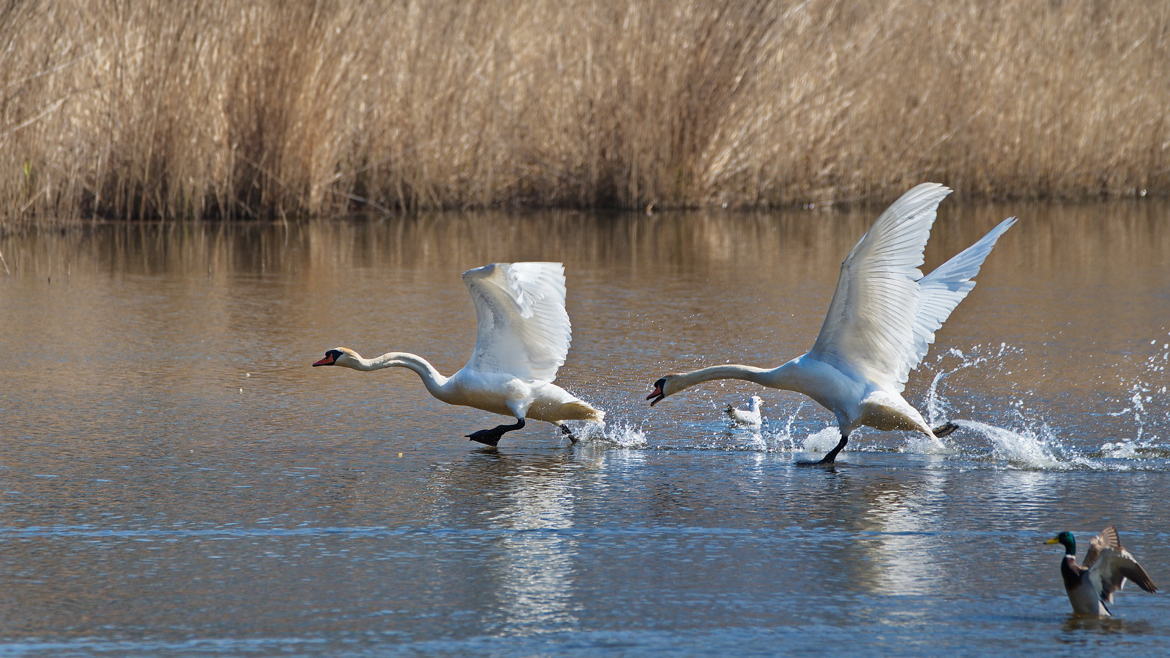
x: 257, y: 108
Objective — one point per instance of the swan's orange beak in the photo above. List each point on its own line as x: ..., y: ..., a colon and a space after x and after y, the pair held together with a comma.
x: 327, y: 361
x: 656, y: 396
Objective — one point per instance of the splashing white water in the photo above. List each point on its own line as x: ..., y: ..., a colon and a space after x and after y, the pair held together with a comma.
x: 1027, y: 447
x: 781, y: 440
x: 620, y: 434
x: 922, y: 445
x: 937, y: 408
x: 1147, y: 397
x: 823, y: 440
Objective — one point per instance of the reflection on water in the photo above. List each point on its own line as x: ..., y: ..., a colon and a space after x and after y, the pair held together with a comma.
x: 166, y: 446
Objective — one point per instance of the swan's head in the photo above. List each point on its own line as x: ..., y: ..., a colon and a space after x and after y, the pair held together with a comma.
x: 339, y: 356
x: 757, y: 402
x: 662, y: 388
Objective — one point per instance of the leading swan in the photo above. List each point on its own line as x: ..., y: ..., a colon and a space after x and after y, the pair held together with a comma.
x: 522, y: 339
x: 880, y: 323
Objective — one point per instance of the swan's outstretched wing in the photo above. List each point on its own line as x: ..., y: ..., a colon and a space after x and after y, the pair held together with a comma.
x: 942, y: 290
x: 869, y: 328
x: 523, y: 326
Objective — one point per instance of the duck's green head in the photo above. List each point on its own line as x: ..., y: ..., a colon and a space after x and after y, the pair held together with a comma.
x: 1065, y: 538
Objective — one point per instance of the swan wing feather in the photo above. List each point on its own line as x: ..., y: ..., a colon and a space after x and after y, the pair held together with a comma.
x: 942, y: 290
x: 870, y: 326
x: 523, y: 328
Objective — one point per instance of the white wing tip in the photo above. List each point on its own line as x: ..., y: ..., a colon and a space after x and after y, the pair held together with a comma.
x: 486, y: 270
x: 480, y: 272
x: 929, y: 188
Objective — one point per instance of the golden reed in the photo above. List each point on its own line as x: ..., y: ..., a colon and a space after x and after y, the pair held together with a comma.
x: 259, y: 108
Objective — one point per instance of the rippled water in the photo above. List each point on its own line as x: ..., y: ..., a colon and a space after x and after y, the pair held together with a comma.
x: 176, y: 479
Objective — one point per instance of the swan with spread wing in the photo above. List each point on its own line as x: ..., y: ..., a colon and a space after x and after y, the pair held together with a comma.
x: 880, y: 323
x: 522, y: 339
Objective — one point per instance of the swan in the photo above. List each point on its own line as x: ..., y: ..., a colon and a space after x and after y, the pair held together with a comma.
x: 879, y: 325
x: 521, y: 341
x: 1090, y: 586
x: 751, y: 417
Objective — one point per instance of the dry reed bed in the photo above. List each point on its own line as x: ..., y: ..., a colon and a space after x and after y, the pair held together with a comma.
x: 256, y: 108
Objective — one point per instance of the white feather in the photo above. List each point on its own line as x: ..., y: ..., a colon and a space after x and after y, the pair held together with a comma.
x: 869, y: 327
x: 884, y: 313
x: 942, y: 290
x: 523, y: 327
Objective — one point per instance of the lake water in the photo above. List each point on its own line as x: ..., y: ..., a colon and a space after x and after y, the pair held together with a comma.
x: 176, y: 479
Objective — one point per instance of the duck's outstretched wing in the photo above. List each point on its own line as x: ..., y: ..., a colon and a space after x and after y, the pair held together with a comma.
x: 523, y: 327
x: 1107, y: 538
x: 942, y: 290
x: 1110, y: 565
x: 870, y: 326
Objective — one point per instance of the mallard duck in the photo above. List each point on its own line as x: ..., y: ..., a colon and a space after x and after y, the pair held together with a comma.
x: 1090, y: 586
x: 752, y: 416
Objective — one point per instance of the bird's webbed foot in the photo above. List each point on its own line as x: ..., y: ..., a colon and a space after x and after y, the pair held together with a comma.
x: 492, y: 436
x: 569, y: 433
x: 945, y: 429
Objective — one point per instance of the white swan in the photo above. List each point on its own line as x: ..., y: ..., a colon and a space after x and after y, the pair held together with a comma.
x: 880, y: 323
x: 522, y: 339
x: 753, y: 416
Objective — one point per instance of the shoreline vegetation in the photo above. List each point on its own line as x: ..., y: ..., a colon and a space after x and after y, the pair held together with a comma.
x: 153, y: 109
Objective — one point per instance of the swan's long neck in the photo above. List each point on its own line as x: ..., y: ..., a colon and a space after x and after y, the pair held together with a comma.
x: 786, y: 376
x: 730, y: 371
x: 430, y: 377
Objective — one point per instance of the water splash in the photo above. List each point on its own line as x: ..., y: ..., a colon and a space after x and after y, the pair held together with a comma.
x: 620, y: 434
x: 937, y: 408
x: 1034, y: 448
x: 822, y: 440
x: 780, y: 440
x: 1148, y: 393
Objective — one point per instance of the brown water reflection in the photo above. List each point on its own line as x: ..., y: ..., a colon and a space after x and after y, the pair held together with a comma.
x: 166, y: 445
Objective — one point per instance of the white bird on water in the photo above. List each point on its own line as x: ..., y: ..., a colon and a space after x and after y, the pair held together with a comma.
x: 879, y: 326
x: 753, y: 416
x: 522, y: 339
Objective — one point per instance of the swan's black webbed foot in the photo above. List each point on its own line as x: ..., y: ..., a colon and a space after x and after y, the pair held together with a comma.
x: 569, y: 433
x: 945, y: 429
x: 492, y: 437
x: 830, y: 458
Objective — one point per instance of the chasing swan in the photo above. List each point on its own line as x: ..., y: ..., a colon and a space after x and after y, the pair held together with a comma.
x: 880, y: 323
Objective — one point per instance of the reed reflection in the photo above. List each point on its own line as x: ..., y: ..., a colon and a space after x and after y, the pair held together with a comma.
x: 530, y: 563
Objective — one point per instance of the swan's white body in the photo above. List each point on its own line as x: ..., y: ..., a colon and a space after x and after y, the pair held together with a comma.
x: 753, y: 416
x: 879, y: 325
x: 522, y: 339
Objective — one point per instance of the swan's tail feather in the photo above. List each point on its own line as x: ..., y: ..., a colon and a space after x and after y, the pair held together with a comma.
x: 945, y: 429
x: 578, y: 410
